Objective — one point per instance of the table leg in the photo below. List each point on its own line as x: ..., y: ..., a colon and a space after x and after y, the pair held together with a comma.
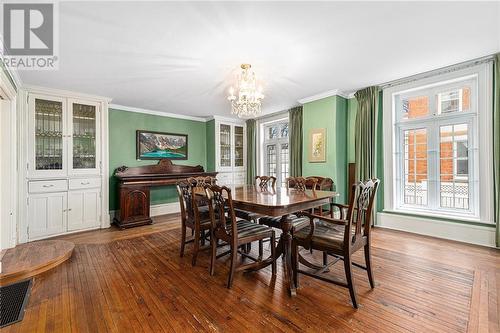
x: 286, y: 248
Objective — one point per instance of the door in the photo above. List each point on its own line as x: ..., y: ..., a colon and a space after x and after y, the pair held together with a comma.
x: 46, y: 214
x: 84, y: 138
x: 48, y: 134
x: 83, y: 209
x: 275, y: 151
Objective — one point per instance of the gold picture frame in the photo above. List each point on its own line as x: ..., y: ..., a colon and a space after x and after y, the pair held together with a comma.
x: 317, y: 145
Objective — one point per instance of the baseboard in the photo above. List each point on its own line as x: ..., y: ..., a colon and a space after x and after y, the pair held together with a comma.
x: 156, y: 210
x: 472, y: 234
x: 166, y: 208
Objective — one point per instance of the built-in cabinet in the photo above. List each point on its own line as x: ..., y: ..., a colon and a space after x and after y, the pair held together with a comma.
x: 65, y: 179
x: 230, y: 152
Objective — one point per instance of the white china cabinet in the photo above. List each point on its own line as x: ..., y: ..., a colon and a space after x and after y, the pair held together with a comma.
x: 230, y: 152
x: 66, y: 162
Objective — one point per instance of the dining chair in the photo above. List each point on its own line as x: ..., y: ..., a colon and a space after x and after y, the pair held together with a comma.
x: 299, y: 184
x: 339, y: 238
x: 264, y: 183
x: 194, y: 213
x: 236, y: 233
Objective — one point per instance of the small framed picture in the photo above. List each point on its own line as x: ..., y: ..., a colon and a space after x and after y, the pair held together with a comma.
x: 317, y: 145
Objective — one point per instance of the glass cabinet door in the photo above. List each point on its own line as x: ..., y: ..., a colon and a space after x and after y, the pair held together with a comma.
x: 48, y: 132
x: 84, y: 126
x: 238, y: 146
x: 225, y: 145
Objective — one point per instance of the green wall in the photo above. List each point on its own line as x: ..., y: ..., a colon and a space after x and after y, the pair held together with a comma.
x: 330, y: 113
x: 122, y: 147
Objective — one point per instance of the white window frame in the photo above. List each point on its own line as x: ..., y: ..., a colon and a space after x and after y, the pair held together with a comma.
x: 480, y: 160
x: 278, y: 142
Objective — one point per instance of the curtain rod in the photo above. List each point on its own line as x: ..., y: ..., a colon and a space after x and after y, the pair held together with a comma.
x: 442, y: 70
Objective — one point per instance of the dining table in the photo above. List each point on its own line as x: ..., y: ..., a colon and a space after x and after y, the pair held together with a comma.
x: 280, y: 202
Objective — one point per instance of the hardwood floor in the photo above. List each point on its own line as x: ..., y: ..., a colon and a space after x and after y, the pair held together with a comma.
x: 31, y: 259
x: 134, y: 281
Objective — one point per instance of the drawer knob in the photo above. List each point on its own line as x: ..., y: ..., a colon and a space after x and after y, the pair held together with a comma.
x: 85, y: 183
x: 48, y: 185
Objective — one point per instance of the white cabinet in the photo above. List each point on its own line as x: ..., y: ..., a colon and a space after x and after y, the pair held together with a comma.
x: 66, y: 160
x: 46, y: 214
x: 230, y: 152
x: 83, y: 209
x: 64, y: 136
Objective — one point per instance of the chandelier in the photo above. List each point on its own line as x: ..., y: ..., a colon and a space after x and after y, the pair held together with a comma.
x: 247, y: 101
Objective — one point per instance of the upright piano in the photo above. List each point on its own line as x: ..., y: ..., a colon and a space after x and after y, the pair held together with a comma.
x: 134, y: 188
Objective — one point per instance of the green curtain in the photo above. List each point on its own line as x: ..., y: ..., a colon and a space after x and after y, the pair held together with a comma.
x: 366, y: 133
x: 295, y: 119
x: 496, y: 143
x: 251, y: 151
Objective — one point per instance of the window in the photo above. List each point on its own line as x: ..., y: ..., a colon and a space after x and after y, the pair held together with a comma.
x: 276, y: 158
x: 436, y: 148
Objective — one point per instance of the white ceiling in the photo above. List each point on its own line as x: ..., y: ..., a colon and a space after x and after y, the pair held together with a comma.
x: 182, y: 57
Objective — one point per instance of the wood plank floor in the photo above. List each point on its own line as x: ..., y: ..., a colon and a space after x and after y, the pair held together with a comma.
x: 134, y: 281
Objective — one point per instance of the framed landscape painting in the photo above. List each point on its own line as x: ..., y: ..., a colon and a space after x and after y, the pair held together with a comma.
x: 317, y: 148
x: 156, y: 145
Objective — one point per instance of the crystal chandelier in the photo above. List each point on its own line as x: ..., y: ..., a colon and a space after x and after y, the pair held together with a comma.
x: 247, y: 102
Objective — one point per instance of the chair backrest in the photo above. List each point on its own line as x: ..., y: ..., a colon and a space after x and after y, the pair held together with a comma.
x: 186, y: 200
x: 361, y: 210
x: 198, y: 184
x: 220, y: 203
x: 301, y: 183
x: 324, y: 183
x: 264, y: 181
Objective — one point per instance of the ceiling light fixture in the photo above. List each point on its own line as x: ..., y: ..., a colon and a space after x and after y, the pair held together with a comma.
x: 247, y: 102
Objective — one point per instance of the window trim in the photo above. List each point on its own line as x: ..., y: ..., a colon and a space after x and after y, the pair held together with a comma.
x: 482, y: 159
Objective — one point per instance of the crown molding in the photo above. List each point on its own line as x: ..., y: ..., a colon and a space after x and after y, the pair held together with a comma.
x: 329, y: 93
x: 156, y: 113
x: 63, y: 93
x: 229, y: 119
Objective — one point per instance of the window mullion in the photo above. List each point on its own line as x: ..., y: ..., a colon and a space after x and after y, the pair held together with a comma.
x: 433, y: 162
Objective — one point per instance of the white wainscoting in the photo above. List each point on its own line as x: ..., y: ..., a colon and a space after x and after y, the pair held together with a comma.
x: 467, y: 233
x: 156, y: 210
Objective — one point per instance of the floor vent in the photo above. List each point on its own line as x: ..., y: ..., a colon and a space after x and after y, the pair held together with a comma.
x: 13, y: 299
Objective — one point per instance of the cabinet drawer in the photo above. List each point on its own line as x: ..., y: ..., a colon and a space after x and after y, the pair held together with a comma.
x: 48, y: 186
x: 81, y: 183
x: 240, y: 175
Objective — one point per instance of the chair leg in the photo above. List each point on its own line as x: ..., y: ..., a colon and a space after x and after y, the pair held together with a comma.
x: 234, y: 253
x: 368, y: 261
x: 350, y: 280
x: 261, y: 250
x: 325, y: 258
x: 203, y: 236
x: 183, y: 239
x: 196, y: 246
x: 273, y: 254
x: 295, y: 264
x: 213, y: 243
x: 248, y: 248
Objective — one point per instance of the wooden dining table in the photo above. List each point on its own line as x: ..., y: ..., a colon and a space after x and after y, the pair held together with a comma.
x: 280, y: 202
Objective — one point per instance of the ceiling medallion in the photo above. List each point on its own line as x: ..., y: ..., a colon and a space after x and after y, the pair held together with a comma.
x: 247, y: 101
